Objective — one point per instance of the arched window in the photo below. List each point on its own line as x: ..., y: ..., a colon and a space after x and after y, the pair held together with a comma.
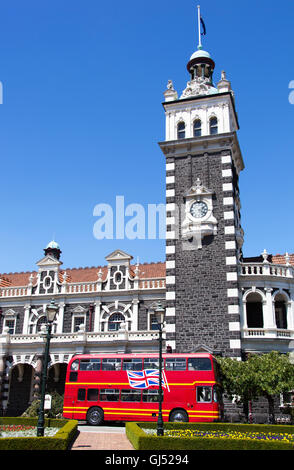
x: 254, y: 311
x: 114, y: 321
x: 213, y: 128
x: 197, y: 128
x: 181, y: 130
x: 280, y: 312
x: 41, y: 321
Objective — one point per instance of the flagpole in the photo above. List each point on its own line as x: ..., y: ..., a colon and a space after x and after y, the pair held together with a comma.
x: 199, y: 29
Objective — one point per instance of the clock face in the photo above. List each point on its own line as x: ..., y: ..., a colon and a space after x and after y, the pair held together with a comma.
x: 198, y: 209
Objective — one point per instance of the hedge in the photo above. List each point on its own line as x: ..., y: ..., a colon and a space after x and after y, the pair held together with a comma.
x: 60, y: 441
x: 142, y: 441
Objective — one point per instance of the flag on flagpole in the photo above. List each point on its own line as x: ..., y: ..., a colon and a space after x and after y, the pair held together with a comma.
x: 203, y: 33
x: 146, y: 378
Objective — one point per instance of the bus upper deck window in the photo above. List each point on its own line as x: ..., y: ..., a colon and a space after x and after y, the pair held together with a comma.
x: 90, y: 364
x: 199, y: 363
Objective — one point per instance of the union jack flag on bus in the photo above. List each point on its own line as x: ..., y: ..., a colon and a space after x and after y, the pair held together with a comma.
x: 146, y: 378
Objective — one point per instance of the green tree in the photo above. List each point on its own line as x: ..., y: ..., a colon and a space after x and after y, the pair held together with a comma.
x: 238, y: 381
x: 261, y: 375
x: 274, y: 374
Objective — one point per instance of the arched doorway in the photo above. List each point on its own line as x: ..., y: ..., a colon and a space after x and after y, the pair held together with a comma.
x: 20, y: 389
x: 56, y: 378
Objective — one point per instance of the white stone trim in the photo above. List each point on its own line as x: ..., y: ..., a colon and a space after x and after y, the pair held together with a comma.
x: 227, y: 173
x: 226, y: 159
x: 235, y: 344
x: 227, y: 187
x: 170, y: 167
x: 170, y: 264
x: 170, y: 295
x: 230, y: 230
x: 232, y: 293
x: 228, y: 201
x: 234, y: 326
x: 170, y: 249
x: 228, y: 215
x: 170, y: 311
x: 170, y: 180
x: 231, y: 245
x: 170, y: 221
x: 233, y: 309
x: 170, y: 327
x: 170, y: 235
x: 170, y: 207
x: 170, y: 193
x: 231, y: 260
x: 170, y: 279
x: 232, y: 276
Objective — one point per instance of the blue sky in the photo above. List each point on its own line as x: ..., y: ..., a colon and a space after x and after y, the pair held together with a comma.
x: 81, y: 118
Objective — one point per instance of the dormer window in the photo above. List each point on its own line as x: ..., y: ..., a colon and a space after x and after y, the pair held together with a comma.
x: 213, y: 127
x: 181, y: 130
x: 197, y: 128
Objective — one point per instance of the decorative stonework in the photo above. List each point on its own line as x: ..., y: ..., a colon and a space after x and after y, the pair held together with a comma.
x: 198, y: 86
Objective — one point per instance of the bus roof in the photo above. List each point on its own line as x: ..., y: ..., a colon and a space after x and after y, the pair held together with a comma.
x: 138, y: 355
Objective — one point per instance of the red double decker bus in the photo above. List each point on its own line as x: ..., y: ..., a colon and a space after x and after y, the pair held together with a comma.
x: 124, y: 387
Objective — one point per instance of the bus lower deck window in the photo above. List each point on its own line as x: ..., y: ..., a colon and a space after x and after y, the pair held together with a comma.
x: 92, y: 394
x: 130, y: 395
x: 204, y: 394
x: 150, y: 396
x: 109, y: 394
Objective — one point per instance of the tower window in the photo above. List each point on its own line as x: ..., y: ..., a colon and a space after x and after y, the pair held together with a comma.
x: 213, y: 128
x: 197, y: 128
x: 181, y: 130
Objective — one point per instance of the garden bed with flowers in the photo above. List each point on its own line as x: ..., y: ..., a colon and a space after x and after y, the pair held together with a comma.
x: 21, y: 434
x: 211, y: 436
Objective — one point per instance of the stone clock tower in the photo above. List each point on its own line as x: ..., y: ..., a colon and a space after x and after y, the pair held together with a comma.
x: 204, y: 236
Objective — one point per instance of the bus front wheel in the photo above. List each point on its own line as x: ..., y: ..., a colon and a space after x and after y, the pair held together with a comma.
x: 95, y: 416
x: 179, y: 415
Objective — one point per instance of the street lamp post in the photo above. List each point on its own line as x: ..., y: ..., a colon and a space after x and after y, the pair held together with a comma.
x: 50, y: 312
x: 159, y: 313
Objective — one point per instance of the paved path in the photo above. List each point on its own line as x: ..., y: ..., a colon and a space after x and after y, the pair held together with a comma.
x: 101, y: 438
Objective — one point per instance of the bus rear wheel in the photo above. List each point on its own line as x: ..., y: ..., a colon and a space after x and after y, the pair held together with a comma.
x: 179, y: 415
x: 95, y: 416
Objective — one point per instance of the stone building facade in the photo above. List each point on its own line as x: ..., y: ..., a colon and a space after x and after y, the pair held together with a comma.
x: 215, y: 299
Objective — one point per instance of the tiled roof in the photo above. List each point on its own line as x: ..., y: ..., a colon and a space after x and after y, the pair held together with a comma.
x: 146, y: 271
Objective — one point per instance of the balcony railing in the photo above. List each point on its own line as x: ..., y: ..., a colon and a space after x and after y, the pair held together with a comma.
x: 83, y: 288
x: 266, y: 269
x: 265, y: 333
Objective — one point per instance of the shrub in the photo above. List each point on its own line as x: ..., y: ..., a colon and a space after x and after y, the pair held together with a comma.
x: 142, y: 441
x: 56, y: 408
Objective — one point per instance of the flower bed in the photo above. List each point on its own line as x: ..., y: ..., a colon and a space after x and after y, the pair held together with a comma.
x: 22, y: 430
x: 212, y: 436
x: 58, y: 434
